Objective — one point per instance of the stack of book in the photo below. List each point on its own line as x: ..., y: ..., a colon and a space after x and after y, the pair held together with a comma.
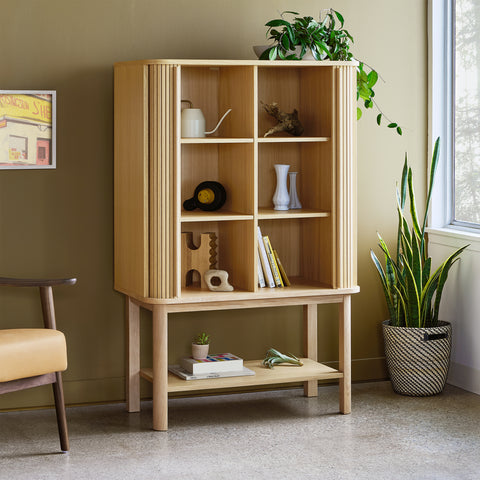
x: 213, y: 366
x: 270, y: 269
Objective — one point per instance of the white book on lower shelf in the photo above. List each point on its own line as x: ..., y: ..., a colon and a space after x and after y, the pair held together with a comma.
x: 186, y: 375
x: 219, y: 362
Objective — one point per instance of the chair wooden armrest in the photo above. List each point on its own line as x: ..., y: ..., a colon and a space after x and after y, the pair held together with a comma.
x: 33, y: 282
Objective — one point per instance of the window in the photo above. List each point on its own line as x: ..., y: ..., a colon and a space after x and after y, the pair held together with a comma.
x: 455, y: 110
x: 467, y: 111
x: 17, y: 148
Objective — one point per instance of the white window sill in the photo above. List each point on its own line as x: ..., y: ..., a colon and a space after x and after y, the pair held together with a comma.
x: 454, y: 237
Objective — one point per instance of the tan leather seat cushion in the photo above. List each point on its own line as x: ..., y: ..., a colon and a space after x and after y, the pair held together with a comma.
x: 27, y: 352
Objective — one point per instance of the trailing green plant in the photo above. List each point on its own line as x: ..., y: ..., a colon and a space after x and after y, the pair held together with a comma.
x: 326, y: 38
x: 274, y: 357
x: 202, y: 339
x: 322, y: 38
x: 412, y: 292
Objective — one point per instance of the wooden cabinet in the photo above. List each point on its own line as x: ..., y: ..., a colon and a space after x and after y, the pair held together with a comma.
x: 156, y: 170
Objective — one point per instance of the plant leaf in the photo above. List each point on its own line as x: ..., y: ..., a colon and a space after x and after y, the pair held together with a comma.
x: 379, y: 119
x: 445, y: 268
x: 272, y: 54
x: 340, y: 18
x: 277, y: 23
x: 372, y: 78
x: 413, y: 207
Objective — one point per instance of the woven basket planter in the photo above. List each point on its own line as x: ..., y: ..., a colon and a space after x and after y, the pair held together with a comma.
x: 418, y: 358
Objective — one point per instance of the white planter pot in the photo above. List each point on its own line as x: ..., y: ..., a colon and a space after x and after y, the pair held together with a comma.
x: 259, y: 49
x: 199, y: 352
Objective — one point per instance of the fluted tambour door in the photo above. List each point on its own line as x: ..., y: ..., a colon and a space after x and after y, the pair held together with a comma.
x: 346, y: 177
x: 161, y: 187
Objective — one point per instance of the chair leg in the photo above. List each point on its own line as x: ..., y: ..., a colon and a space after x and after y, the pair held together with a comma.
x: 61, y: 415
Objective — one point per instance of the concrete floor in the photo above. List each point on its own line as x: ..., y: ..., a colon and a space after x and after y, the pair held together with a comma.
x: 273, y: 435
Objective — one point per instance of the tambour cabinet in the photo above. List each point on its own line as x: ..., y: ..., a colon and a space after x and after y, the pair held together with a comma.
x: 156, y: 170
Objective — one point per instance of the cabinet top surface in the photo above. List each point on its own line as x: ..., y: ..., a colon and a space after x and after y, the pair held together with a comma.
x: 217, y: 63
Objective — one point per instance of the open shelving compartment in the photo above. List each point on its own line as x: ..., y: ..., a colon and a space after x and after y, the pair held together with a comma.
x: 215, y: 89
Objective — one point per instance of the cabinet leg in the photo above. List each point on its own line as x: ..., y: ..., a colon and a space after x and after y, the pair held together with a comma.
x: 160, y: 367
x: 132, y: 386
x: 345, y: 355
x: 310, y: 347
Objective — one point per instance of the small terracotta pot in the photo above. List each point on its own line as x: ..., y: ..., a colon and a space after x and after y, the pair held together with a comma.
x: 199, y: 351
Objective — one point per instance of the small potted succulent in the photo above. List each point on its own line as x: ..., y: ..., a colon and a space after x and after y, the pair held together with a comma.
x: 325, y: 39
x: 200, y: 346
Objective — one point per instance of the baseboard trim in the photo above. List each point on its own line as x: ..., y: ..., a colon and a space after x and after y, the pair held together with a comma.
x: 464, y: 377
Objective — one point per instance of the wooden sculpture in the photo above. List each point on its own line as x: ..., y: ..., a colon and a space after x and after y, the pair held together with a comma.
x: 199, y: 259
x: 287, y: 122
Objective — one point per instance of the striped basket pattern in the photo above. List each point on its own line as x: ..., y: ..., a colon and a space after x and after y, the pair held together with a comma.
x: 418, y: 358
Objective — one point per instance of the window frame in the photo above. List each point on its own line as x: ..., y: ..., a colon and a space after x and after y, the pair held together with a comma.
x: 441, y: 122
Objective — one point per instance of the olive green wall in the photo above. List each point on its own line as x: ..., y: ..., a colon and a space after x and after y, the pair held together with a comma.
x: 60, y: 222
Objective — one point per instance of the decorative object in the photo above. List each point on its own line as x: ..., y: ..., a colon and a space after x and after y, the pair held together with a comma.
x: 193, y: 122
x: 294, y: 40
x: 209, y: 196
x: 287, y: 122
x: 274, y: 357
x: 418, y: 358
x: 413, y: 297
x: 281, y: 198
x: 27, y: 129
x: 294, y: 201
x: 199, y: 259
x: 200, y: 346
x: 217, y: 281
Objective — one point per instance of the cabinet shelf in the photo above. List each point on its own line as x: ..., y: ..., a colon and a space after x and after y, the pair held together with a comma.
x: 270, y: 214
x: 292, y: 139
x: 218, y: 216
x: 213, y: 140
x: 310, y: 370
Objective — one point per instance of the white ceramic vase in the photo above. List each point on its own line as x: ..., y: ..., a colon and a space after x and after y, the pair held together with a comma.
x: 294, y: 201
x: 281, y: 198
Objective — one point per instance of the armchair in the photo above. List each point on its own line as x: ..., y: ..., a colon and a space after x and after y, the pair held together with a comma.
x: 30, y: 357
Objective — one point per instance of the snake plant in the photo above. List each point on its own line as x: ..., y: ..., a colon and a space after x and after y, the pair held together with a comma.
x: 412, y: 291
x: 274, y: 357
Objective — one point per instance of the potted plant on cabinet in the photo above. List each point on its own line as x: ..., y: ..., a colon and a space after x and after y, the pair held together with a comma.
x: 305, y: 38
x: 417, y: 343
x: 200, y: 346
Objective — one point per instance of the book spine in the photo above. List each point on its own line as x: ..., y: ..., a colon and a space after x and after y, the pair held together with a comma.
x: 264, y: 259
x: 261, y: 277
x: 283, y: 273
x: 273, y: 263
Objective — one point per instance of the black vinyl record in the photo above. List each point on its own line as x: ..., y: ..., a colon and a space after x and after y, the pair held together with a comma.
x: 209, y: 196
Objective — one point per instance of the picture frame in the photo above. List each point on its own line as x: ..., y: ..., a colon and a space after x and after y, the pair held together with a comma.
x: 28, y: 129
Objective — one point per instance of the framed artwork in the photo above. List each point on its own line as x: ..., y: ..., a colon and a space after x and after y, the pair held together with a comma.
x: 27, y: 129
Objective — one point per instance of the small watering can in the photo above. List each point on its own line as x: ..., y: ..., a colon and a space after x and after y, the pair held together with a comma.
x: 193, y: 122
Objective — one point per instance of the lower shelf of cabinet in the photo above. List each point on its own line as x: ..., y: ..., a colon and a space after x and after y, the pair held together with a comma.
x: 280, y: 374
